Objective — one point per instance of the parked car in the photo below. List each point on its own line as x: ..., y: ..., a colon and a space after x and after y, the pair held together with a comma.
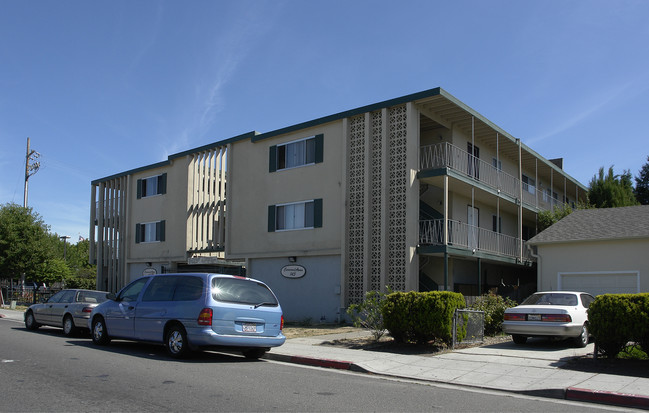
x: 187, y: 312
x: 561, y: 314
x: 69, y: 309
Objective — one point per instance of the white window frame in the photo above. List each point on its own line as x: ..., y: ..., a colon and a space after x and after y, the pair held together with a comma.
x: 297, y: 215
x: 305, y: 154
x: 147, y: 232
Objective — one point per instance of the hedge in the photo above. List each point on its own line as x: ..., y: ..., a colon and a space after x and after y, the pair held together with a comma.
x: 422, y: 316
x: 616, y: 319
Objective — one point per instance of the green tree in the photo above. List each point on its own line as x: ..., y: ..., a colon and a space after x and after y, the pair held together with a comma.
x: 610, y: 190
x: 549, y: 217
x: 641, y: 190
x: 24, y: 243
x: 54, y: 270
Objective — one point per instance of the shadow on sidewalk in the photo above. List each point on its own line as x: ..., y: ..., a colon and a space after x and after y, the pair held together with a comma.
x: 619, y: 367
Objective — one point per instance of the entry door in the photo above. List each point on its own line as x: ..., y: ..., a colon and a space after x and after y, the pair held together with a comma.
x: 473, y: 220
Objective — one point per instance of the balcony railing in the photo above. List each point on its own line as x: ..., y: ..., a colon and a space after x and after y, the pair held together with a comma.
x: 431, y: 232
x: 446, y: 155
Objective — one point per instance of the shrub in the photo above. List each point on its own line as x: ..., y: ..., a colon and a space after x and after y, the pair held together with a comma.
x: 368, y: 313
x: 616, y: 319
x: 494, y: 307
x: 422, y: 317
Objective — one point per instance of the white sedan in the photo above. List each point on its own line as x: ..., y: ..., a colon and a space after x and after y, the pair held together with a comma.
x: 562, y: 314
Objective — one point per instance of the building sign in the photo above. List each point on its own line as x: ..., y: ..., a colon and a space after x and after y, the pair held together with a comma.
x: 149, y: 271
x: 293, y: 271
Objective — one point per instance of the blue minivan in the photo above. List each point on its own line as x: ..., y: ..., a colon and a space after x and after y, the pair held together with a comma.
x: 192, y: 312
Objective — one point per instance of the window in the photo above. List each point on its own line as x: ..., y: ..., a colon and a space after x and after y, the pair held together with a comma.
x: 242, y: 291
x: 497, y: 224
x: 498, y: 164
x: 298, y: 215
x: 528, y: 184
x: 302, y: 152
x: 132, y: 291
x: 170, y: 288
x: 153, y: 185
x: 150, y: 232
x: 473, y: 160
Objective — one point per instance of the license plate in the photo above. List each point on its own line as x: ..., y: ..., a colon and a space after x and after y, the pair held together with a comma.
x: 249, y: 328
x: 534, y: 317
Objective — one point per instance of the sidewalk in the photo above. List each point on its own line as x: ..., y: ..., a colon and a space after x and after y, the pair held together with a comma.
x: 533, y: 370
x: 537, y: 370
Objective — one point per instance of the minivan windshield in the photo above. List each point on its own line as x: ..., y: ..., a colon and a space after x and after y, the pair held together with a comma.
x: 242, y: 291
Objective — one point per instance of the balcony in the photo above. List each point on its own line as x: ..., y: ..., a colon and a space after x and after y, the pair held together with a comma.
x: 431, y: 232
x: 446, y: 155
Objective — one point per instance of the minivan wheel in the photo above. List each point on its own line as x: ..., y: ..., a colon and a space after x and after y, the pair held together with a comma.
x: 254, y: 353
x: 68, y: 326
x: 518, y: 339
x: 99, y: 332
x: 176, y: 341
x: 582, y: 339
x: 30, y: 321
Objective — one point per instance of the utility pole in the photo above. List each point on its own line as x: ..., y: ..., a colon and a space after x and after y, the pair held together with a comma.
x: 31, y: 167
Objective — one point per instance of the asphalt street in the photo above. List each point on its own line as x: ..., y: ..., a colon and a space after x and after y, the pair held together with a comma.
x: 45, y: 371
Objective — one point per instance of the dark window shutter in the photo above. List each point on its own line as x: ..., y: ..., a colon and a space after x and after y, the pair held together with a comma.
x: 317, y: 213
x: 271, y: 218
x: 319, y: 148
x: 139, y: 188
x: 160, y: 230
x: 137, y: 233
x: 162, y: 184
x: 272, y: 159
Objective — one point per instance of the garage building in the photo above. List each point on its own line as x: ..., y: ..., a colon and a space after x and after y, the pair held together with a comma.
x: 598, y: 251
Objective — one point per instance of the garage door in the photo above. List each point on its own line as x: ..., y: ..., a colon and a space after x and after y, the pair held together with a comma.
x: 595, y: 283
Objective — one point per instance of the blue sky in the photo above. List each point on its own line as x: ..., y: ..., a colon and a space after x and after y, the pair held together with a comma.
x: 103, y: 87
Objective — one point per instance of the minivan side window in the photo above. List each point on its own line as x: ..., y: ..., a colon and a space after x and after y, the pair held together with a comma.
x: 242, y: 291
x: 160, y: 289
x: 131, y: 291
x: 188, y: 289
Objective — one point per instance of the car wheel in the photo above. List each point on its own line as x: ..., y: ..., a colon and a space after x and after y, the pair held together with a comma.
x: 68, y: 326
x: 254, y: 353
x: 518, y: 339
x: 99, y: 332
x: 30, y: 321
x: 582, y: 339
x: 176, y: 341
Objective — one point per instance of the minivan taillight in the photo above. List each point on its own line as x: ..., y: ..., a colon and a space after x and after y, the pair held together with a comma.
x: 281, y: 325
x: 205, y: 317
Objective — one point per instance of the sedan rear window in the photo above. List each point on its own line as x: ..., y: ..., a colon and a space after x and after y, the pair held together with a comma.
x: 551, y: 299
x: 242, y: 291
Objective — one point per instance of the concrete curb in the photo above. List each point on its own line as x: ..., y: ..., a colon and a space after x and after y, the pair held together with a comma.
x: 317, y: 362
x: 607, y: 397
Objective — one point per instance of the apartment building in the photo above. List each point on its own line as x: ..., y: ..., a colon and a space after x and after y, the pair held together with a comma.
x: 419, y: 192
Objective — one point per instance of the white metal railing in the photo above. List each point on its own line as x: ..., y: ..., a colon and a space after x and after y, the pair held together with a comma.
x: 431, y: 232
x: 446, y: 155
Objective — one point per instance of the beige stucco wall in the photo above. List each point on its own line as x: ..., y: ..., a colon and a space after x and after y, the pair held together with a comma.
x: 254, y: 188
x: 171, y: 207
x: 595, y: 257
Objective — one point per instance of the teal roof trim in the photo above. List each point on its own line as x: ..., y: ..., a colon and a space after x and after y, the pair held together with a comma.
x: 176, y: 156
x: 346, y: 114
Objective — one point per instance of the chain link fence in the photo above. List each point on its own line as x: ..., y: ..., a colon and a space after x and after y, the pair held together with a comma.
x: 473, y: 321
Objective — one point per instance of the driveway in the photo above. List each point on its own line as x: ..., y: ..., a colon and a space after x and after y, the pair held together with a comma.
x: 542, y: 350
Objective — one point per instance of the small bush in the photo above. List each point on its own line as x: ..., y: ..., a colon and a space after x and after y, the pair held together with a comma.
x: 422, y: 317
x: 368, y: 314
x: 617, y: 319
x: 494, y: 307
